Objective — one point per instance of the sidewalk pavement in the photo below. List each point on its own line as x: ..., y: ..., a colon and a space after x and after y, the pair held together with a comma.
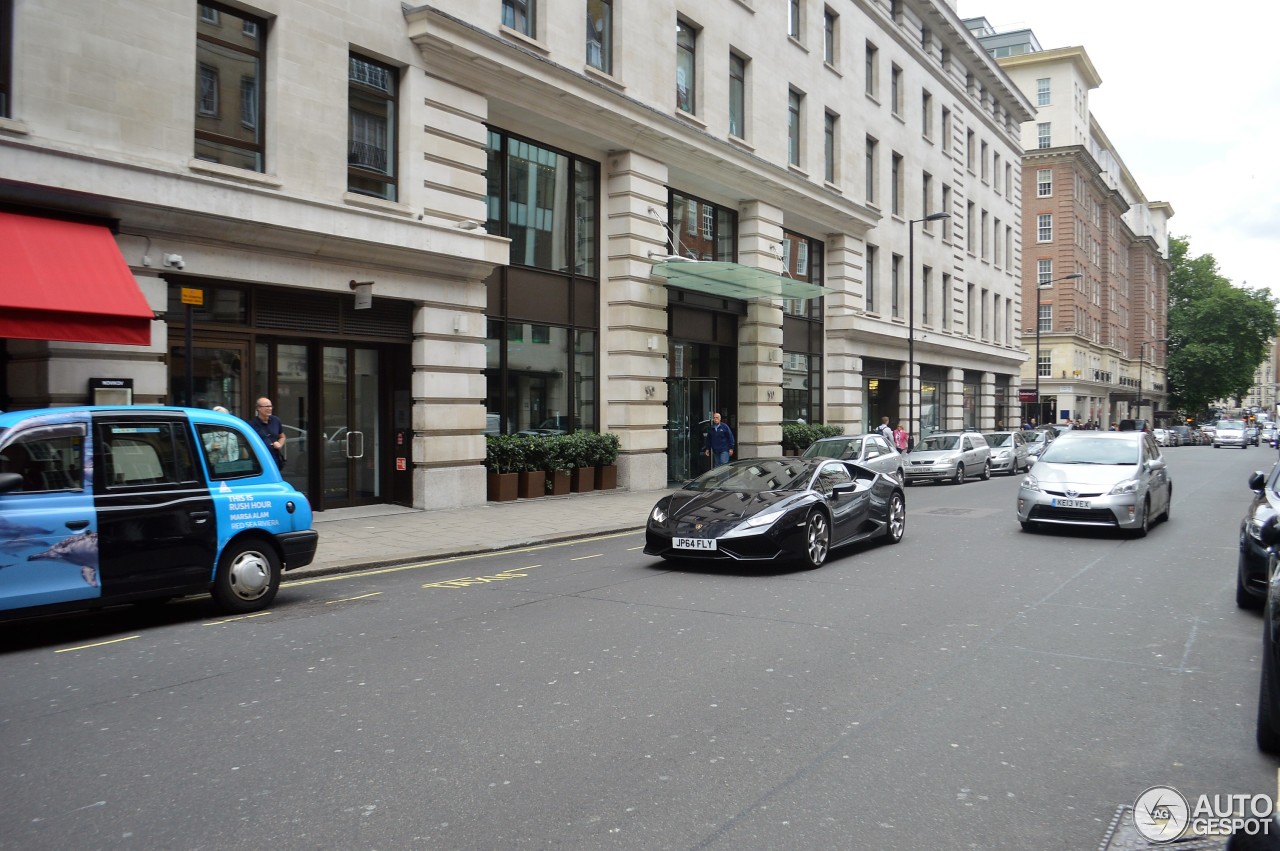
x: 384, y: 535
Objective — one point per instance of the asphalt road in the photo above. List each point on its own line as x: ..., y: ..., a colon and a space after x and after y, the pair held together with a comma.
x: 973, y: 687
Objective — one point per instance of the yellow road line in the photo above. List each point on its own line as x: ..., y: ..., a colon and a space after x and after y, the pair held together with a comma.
x: 349, y: 599
x: 99, y: 644
x: 339, y: 577
x: 240, y: 618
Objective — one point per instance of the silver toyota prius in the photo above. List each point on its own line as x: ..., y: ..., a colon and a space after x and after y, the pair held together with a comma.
x: 1110, y: 479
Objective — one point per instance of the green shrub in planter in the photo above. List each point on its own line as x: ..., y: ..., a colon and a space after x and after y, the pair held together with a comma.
x: 604, y: 449
x: 827, y: 431
x: 504, y: 453
x: 796, y: 437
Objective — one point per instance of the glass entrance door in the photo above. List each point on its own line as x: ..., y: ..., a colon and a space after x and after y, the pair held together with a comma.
x: 690, y: 403
x: 351, y: 468
x: 217, y: 375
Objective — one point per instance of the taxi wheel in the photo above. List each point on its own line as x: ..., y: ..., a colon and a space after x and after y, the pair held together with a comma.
x: 248, y: 577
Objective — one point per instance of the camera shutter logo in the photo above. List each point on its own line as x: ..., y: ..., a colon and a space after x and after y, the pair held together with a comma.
x: 1161, y: 814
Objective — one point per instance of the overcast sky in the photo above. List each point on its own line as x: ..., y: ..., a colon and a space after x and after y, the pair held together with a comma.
x: 1190, y: 97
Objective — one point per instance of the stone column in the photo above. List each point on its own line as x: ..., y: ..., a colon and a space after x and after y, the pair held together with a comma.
x: 843, y: 395
x: 760, y: 337
x: 987, y: 410
x: 953, y: 400
x: 634, y: 343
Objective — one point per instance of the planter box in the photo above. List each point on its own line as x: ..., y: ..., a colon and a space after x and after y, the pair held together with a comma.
x: 503, y: 487
x: 557, y: 482
x: 532, y: 484
x: 582, y: 479
x: 607, y: 477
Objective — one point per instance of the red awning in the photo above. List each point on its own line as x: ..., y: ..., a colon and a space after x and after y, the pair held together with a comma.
x: 67, y: 281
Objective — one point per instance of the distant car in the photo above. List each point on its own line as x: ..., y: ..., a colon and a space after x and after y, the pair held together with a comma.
x: 1186, y: 437
x: 1251, y: 435
x: 1038, y: 439
x: 1230, y: 433
x: 949, y: 456
x: 869, y: 450
x: 1267, y: 434
x: 1206, y: 433
x: 765, y: 509
x: 1164, y: 437
x: 1009, y: 452
x: 1111, y: 479
x: 107, y: 505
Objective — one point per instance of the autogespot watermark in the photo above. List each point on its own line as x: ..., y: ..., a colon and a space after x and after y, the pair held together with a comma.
x: 1163, y: 814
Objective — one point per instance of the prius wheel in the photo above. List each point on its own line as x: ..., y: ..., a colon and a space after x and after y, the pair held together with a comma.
x: 897, y: 524
x: 248, y: 577
x: 1144, y: 525
x: 817, y: 539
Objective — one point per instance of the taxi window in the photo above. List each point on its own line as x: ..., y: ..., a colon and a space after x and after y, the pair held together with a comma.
x: 145, y: 454
x: 50, y: 458
x: 227, y: 453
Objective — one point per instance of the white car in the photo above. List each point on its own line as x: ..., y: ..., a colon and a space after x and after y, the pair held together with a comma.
x: 1230, y: 433
x: 949, y: 457
x: 1164, y: 437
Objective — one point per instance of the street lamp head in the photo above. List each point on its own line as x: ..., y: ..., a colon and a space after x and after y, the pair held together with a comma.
x: 1073, y: 276
x: 933, y: 217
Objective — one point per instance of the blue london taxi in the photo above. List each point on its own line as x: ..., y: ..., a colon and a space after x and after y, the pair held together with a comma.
x: 106, y: 505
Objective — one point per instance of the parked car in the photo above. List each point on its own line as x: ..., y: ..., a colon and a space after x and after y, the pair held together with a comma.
x: 949, y: 456
x: 1251, y: 566
x: 1112, y: 479
x: 1038, y: 439
x: 766, y: 509
x: 1267, y: 434
x: 1186, y: 437
x: 1251, y: 435
x: 1009, y: 452
x: 869, y: 450
x: 105, y: 505
x: 1267, y: 728
x: 1164, y: 437
x: 1230, y: 433
x: 1206, y: 433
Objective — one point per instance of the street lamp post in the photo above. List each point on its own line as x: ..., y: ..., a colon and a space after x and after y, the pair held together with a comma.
x: 911, y: 323
x: 1039, y: 288
x: 1142, y: 355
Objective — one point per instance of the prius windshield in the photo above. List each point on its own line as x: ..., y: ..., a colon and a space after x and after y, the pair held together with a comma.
x: 1092, y: 450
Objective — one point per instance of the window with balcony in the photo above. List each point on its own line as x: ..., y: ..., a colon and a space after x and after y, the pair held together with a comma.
x: 371, y: 143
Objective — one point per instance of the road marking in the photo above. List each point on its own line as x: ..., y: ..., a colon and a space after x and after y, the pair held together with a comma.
x: 240, y: 618
x: 339, y: 577
x: 580, y: 558
x: 99, y: 644
x: 349, y: 599
x: 466, y: 581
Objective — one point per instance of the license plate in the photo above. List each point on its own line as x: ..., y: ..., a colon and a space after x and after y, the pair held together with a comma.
x: 693, y: 543
x: 1071, y: 503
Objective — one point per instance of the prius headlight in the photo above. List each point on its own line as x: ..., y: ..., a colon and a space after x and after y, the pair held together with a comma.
x: 1127, y: 486
x: 1031, y: 483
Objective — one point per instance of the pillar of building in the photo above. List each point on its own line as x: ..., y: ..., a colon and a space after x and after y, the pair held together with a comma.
x: 952, y: 401
x: 987, y: 413
x: 843, y: 393
x: 760, y: 337
x: 635, y: 350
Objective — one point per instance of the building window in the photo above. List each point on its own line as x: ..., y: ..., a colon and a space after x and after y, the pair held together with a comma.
x: 703, y: 231
x: 829, y: 124
x: 1044, y: 367
x: 1044, y: 227
x: 829, y: 21
x: 231, y: 43
x: 926, y: 199
x: 895, y: 286
x: 686, y: 67
x: 1043, y: 135
x: 945, y: 305
x: 1042, y: 92
x: 793, y: 18
x: 946, y: 130
x: 546, y: 202
x: 982, y: 161
x: 970, y: 314
x: 519, y: 16
x: 946, y: 208
x: 600, y: 35
x: 926, y: 115
x: 895, y: 89
x: 737, y: 96
x: 794, y: 100
x: 371, y: 147
x: 802, y: 260
x: 896, y: 177
x: 872, y: 255
x: 968, y: 227
x: 872, y: 70
x: 926, y: 285
x: 969, y: 152
x: 871, y: 170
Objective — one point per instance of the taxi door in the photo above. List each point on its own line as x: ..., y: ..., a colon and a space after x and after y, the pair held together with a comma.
x: 155, y: 514
x: 48, y: 529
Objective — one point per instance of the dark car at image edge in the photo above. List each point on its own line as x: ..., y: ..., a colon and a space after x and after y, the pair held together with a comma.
x: 1251, y: 566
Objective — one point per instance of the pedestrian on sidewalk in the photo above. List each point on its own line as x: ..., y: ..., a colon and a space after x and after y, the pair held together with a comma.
x: 900, y: 437
x: 270, y: 429
x: 719, y: 442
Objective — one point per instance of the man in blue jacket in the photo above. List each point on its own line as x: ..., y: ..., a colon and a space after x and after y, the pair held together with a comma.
x: 719, y: 442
